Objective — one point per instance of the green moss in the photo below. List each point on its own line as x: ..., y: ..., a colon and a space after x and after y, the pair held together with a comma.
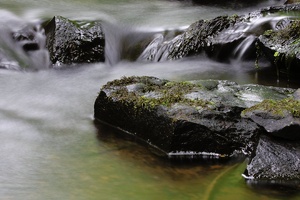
x: 121, y: 82
x: 291, y: 31
x: 268, y: 32
x: 288, y: 45
x: 290, y: 34
x: 277, y: 107
x: 155, y: 93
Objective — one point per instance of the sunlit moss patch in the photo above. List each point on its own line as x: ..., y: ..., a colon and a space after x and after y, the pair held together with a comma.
x: 150, y: 92
x: 277, y: 107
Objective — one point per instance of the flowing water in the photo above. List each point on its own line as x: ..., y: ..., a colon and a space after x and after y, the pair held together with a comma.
x: 50, y: 147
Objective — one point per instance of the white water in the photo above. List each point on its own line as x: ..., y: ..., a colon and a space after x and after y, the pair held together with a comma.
x: 253, y: 29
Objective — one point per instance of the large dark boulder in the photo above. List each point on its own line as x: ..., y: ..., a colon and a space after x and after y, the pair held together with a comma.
x: 184, y: 118
x: 276, y: 161
x: 71, y: 42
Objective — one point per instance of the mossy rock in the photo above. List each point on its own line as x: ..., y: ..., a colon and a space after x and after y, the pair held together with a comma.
x: 279, y: 118
x: 282, y: 47
x: 184, y: 118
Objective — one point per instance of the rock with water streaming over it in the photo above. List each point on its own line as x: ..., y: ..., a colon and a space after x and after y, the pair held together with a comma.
x: 221, y: 38
x: 184, y: 118
x: 198, y: 38
x: 71, y: 42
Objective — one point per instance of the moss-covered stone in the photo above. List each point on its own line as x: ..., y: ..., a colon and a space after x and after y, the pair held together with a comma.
x: 282, y: 47
x: 184, y: 118
x: 279, y: 108
x: 279, y: 118
x: 162, y: 93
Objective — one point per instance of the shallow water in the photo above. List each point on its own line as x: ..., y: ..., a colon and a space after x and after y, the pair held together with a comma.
x: 50, y: 147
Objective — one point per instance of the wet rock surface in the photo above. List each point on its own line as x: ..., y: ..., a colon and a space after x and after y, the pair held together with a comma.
x: 221, y: 37
x: 71, y: 42
x: 275, y: 159
x: 282, y: 46
x: 198, y: 38
x: 185, y: 118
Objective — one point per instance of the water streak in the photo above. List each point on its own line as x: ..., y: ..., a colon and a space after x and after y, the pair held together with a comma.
x: 250, y: 31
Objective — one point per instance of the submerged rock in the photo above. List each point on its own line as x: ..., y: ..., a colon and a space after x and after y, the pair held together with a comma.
x: 184, y: 118
x: 74, y: 41
x: 276, y: 161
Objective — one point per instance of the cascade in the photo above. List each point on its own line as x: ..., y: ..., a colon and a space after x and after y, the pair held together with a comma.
x: 251, y: 31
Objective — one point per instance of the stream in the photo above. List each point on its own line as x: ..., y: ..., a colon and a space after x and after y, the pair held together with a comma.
x: 50, y: 147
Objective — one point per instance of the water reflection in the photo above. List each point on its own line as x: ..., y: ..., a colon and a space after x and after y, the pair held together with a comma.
x: 179, y: 173
x: 276, y: 189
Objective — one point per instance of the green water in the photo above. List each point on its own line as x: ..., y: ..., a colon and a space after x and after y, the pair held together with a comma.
x: 49, y: 145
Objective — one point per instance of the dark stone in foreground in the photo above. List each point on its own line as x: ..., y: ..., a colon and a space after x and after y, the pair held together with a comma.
x: 184, y: 118
x: 276, y: 160
x: 71, y: 42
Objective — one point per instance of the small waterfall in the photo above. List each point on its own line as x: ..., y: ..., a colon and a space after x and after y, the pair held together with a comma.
x: 157, y: 49
x: 242, y: 49
x: 124, y: 43
x: 252, y: 30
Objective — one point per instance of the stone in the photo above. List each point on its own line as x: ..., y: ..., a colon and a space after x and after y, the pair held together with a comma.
x: 274, y: 160
x: 198, y: 38
x: 278, y: 118
x: 72, y: 42
x: 282, y: 46
x: 222, y: 38
x: 184, y: 118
